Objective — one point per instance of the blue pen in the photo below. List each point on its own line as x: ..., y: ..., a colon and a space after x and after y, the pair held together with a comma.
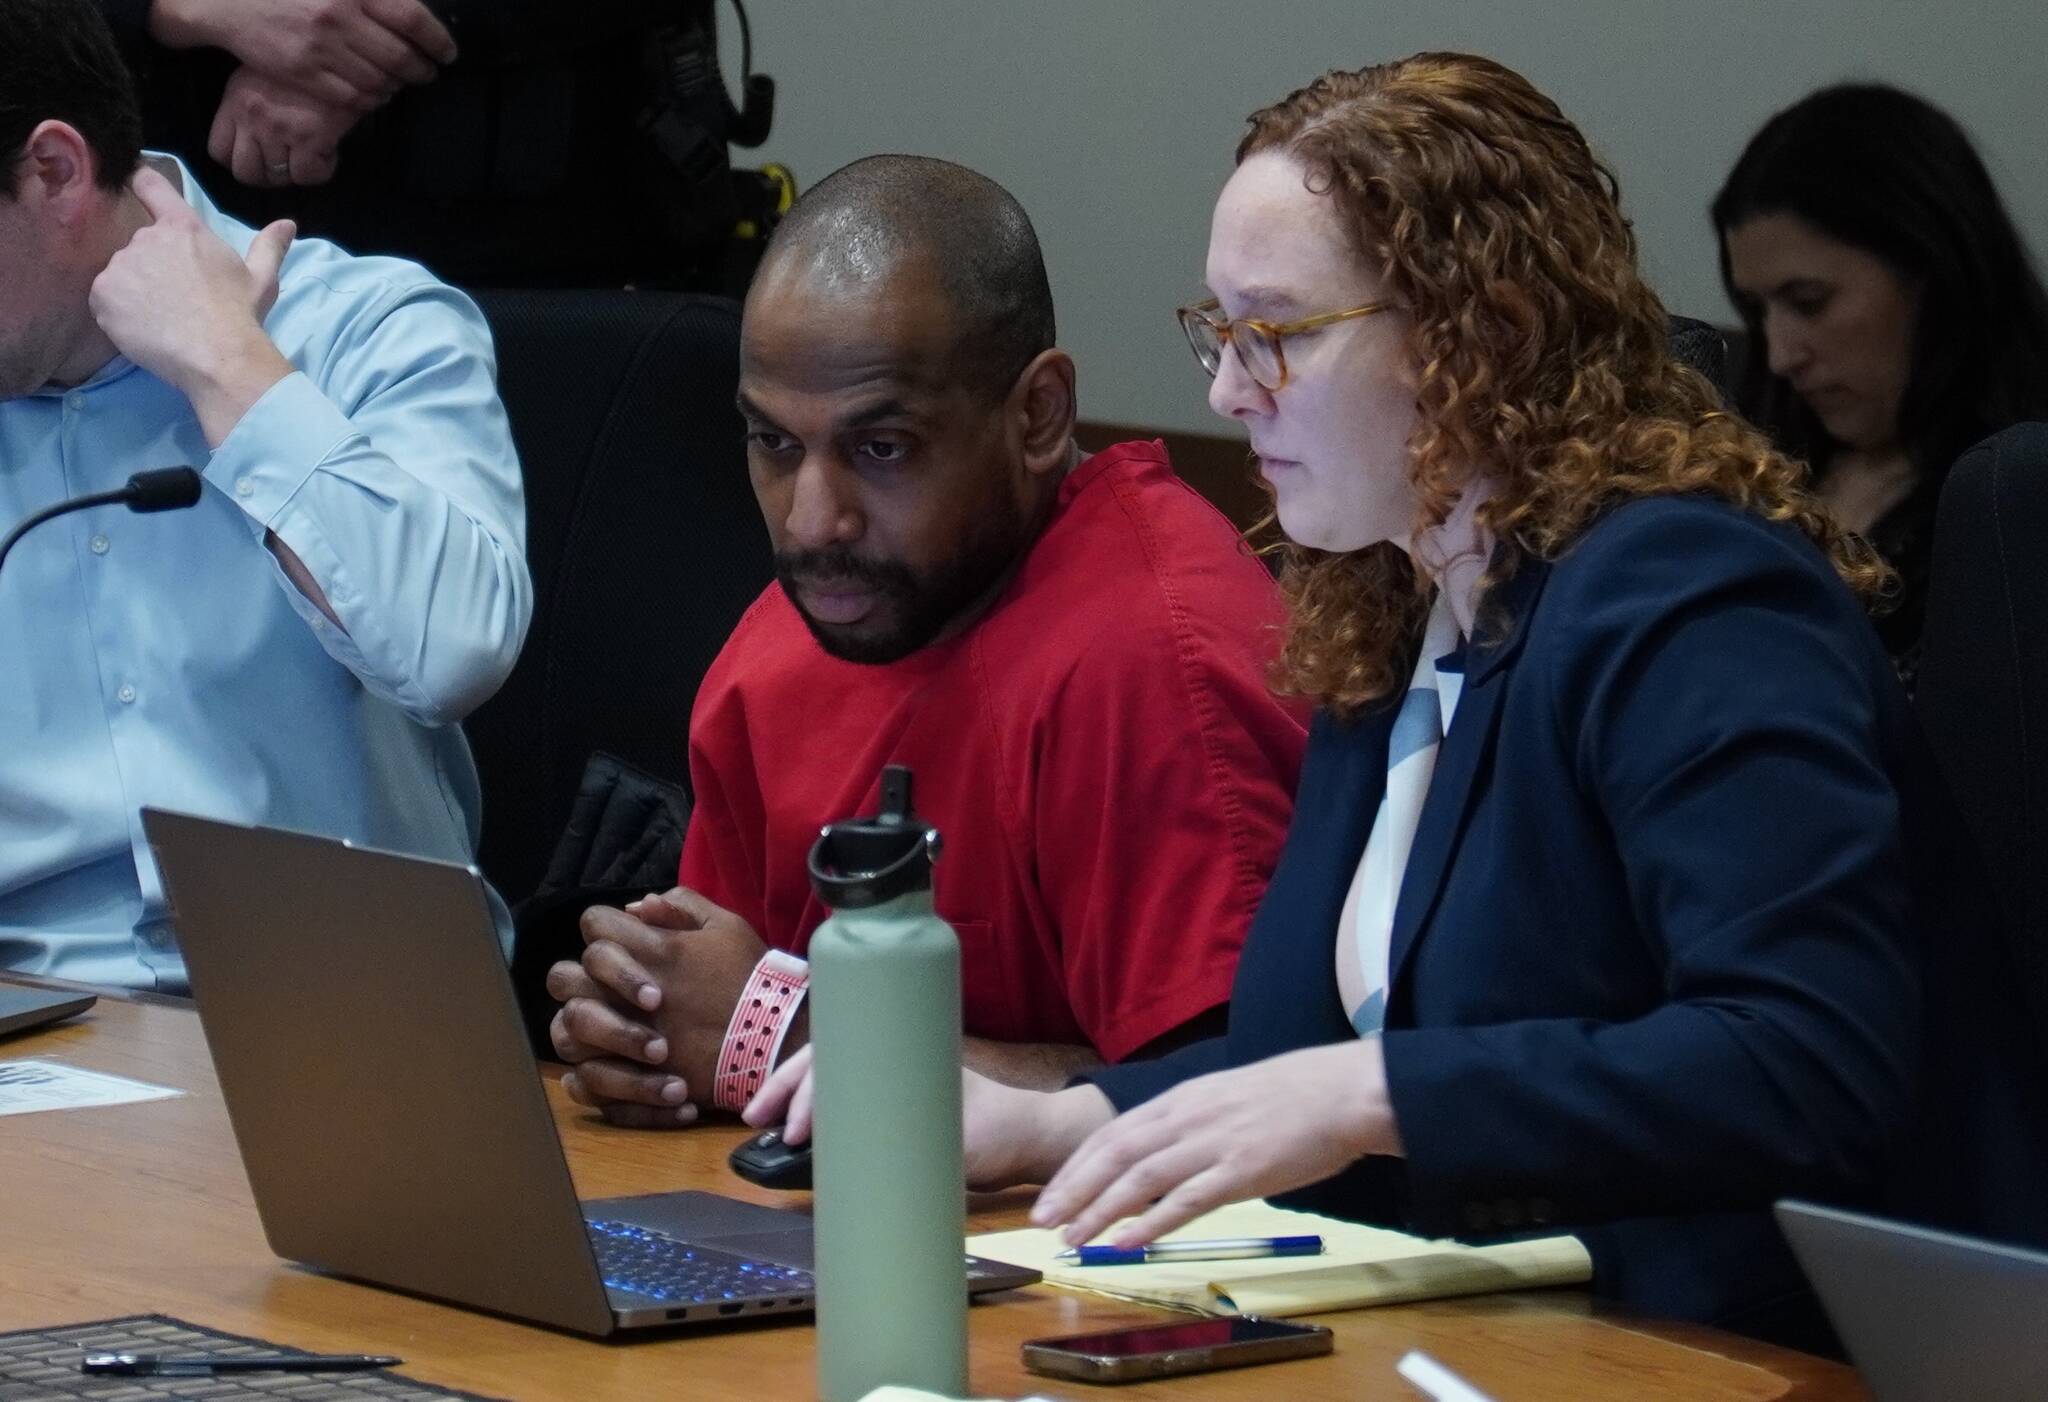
x: 1229, y: 1249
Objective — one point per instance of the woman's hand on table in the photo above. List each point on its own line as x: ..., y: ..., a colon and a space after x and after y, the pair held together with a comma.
x: 1248, y: 1132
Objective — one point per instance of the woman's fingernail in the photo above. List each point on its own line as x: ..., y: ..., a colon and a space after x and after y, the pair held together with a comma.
x: 648, y: 997
x: 686, y: 1114
x: 656, y: 1049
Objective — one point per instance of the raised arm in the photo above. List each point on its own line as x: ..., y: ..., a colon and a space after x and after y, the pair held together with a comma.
x: 380, y: 471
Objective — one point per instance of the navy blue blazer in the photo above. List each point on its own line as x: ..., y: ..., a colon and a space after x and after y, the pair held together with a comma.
x: 1661, y: 953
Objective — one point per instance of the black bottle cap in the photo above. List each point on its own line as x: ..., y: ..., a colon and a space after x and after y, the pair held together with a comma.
x: 860, y: 862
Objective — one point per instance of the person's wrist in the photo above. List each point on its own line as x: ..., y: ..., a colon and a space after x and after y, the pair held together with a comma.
x: 1057, y: 1124
x: 1369, y: 1108
x: 758, y: 1030
x: 223, y: 388
x: 182, y: 24
x: 799, y: 1035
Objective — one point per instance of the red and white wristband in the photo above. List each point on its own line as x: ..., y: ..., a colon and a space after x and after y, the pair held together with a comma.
x: 760, y: 1023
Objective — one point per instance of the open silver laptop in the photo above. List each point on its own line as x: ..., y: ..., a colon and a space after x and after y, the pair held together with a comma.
x: 1925, y: 1314
x: 23, y: 1008
x: 389, y: 1112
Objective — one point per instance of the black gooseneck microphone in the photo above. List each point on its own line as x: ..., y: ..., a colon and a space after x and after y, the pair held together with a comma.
x: 159, y: 489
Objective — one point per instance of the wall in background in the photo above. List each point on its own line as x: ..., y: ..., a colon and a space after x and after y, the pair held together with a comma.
x: 1113, y: 120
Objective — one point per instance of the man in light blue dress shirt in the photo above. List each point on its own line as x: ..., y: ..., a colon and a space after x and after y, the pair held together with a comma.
x: 299, y: 648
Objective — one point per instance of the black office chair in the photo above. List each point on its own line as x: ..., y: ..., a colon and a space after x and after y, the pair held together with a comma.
x: 1983, y: 682
x: 1703, y: 347
x: 643, y: 535
x: 1975, y: 1161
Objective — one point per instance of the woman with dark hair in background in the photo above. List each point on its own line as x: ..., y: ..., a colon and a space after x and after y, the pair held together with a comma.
x: 1894, y: 315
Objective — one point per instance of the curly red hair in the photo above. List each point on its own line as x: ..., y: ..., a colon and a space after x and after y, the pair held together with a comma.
x: 1541, y: 355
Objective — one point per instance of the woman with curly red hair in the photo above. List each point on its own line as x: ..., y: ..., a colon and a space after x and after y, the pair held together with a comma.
x: 1604, y: 904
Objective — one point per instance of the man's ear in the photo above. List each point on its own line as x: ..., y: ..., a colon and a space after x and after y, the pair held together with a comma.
x: 1042, y: 407
x: 57, y: 170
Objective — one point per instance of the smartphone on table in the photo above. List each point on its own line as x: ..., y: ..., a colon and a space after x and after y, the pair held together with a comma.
x: 1166, y: 1350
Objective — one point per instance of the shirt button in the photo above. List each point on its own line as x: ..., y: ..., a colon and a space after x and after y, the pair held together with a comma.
x: 74, y: 402
x: 127, y: 695
x: 99, y: 545
x: 245, y: 488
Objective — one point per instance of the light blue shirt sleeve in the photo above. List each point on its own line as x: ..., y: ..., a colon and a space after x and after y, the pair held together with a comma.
x: 396, y: 485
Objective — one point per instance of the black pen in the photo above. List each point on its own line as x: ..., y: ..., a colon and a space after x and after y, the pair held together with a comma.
x: 201, y: 1365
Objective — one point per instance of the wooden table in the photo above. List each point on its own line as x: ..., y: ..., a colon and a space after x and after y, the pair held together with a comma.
x: 144, y: 1208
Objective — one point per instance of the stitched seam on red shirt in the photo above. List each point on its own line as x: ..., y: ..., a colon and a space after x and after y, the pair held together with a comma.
x: 1202, y: 703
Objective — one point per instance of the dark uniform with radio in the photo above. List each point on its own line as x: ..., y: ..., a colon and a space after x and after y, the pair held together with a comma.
x: 568, y: 145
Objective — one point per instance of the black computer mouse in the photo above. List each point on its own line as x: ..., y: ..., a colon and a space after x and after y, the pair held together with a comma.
x: 766, y: 1160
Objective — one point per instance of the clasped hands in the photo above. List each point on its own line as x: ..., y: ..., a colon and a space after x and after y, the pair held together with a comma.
x: 310, y: 70
x: 645, y: 1011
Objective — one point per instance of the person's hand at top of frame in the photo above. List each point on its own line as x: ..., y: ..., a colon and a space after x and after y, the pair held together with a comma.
x: 1249, y: 1132
x: 350, y: 53
x: 644, y: 1014
x: 180, y: 303
x: 270, y: 134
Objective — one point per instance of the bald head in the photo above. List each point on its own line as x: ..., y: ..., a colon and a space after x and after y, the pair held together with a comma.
x: 885, y: 217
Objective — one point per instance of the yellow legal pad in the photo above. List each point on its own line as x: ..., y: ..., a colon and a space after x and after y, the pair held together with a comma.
x: 1359, y: 1266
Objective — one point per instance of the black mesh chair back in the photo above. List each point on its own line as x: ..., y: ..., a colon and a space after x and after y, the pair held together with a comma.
x: 1703, y: 347
x: 643, y: 535
x: 1983, y: 683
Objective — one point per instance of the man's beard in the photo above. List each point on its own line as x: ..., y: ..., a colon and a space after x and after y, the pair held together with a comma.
x: 921, y: 604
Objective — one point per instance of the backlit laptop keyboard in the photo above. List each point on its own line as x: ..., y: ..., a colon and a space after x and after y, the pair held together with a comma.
x: 675, y: 1272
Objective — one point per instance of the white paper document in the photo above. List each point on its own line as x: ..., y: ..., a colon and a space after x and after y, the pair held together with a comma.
x: 51, y: 1085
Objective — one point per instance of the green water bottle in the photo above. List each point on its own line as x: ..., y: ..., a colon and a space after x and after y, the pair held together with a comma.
x: 890, y: 1186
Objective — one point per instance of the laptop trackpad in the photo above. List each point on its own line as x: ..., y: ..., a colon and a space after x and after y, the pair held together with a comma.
x: 770, y: 1234
x: 784, y: 1248
x: 711, y: 1219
